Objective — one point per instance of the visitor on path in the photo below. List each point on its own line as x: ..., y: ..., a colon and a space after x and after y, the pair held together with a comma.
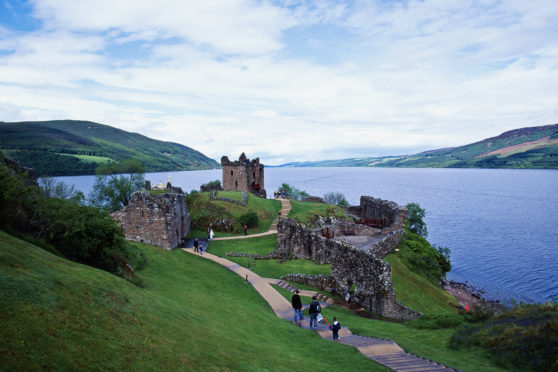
x: 297, y: 306
x: 208, y: 233
x: 201, y: 248
x: 245, y: 229
x: 196, y: 245
x: 335, y: 327
x: 314, y: 310
x: 211, y: 234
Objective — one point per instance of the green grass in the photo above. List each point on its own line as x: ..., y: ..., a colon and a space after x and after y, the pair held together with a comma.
x: 307, y: 212
x: 417, y: 292
x: 90, y: 158
x: 205, y: 210
x: 265, y: 268
x: 192, y: 315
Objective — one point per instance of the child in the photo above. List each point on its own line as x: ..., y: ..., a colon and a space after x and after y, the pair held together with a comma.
x: 335, y: 327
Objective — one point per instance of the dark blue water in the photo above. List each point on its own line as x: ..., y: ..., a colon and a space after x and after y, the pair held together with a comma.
x: 501, y: 225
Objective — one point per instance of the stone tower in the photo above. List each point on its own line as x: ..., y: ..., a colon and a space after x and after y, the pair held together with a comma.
x: 161, y: 220
x: 243, y: 175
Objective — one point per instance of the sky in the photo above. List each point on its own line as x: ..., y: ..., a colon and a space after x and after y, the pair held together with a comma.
x: 285, y: 80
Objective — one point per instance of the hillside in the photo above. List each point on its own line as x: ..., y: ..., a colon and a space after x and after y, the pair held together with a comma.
x: 533, y: 147
x: 192, y: 315
x: 69, y: 147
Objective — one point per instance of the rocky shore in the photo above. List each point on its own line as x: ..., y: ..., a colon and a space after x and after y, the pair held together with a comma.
x: 468, y: 296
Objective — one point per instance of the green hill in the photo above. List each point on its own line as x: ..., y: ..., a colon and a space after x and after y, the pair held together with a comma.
x: 192, y: 315
x: 533, y: 147
x: 69, y: 147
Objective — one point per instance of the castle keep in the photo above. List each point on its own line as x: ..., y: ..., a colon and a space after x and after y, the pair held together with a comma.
x: 161, y: 220
x: 243, y: 175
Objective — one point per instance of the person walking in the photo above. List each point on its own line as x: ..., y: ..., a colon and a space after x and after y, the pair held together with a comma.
x: 314, y: 310
x: 297, y: 306
x: 211, y: 234
x: 196, y: 245
x: 245, y: 229
x: 335, y: 327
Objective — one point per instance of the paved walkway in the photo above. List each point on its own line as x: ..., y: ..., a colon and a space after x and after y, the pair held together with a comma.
x: 384, y: 352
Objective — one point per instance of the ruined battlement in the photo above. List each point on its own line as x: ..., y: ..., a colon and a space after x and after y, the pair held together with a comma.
x: 243, y: 175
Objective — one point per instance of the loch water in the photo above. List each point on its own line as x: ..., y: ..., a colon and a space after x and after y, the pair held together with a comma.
x: 500, y: 224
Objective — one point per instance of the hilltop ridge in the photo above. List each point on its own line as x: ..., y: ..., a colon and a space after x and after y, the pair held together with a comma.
x: 72, y: 147
x: 530, y: 147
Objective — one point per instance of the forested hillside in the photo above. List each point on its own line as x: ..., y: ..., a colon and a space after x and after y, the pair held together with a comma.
x: 69, y: 147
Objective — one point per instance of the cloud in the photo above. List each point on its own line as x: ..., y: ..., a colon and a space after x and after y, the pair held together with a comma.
x: 294, y: 80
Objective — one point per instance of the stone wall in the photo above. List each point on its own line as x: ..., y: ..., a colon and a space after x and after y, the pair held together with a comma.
x: 370, y: 275
x: 160, y: 220
x: 243, y: 175
x: 378, y: 209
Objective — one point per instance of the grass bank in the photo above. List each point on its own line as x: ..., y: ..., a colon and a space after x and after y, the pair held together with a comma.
x: 192, y: 315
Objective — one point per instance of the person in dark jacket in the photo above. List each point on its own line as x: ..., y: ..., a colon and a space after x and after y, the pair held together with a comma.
x: 196, y: 245
x: 314, y: 310
x: 335, y: 327
x: 297, y: 306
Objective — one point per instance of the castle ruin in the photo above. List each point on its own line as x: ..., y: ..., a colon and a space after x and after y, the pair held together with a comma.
x: 162, y: 220
x: 243, y: 175
x: 354, y: 251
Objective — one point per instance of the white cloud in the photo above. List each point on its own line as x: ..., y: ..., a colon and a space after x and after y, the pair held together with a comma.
x: 223, y: 77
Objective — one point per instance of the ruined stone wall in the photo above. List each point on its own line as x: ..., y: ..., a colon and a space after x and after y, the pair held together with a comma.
x: 373, y: 208
x: 160, y: 220
x: 370, y: 275
x: 243, y: 175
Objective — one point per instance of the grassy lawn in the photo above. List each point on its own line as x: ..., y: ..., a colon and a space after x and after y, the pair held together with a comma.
x: 192, y: 315
x: 307, y: 212
x: 208, y: 210
x: 265, y: 268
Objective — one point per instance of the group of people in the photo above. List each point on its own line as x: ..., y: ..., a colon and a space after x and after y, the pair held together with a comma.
x: 314, y: 310
x: 279, y: 194
x: 198, y: 247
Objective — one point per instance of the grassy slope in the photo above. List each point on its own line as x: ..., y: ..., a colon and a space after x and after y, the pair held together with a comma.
x: 192, y: 315
x: 430, y: 343
x: 306, y: 212
x: 266, y: 209
x: 77, y: 138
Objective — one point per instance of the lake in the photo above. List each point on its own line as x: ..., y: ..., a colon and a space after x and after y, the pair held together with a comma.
x: 500, y: 224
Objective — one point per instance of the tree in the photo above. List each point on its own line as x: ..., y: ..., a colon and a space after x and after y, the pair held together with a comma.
x: 115, y: 183
x: 52, y: 188
x: 336, y: 198
x: 293, y: 192
x: 415, y: 221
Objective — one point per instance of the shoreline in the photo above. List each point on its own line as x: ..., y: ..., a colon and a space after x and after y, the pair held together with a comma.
x: 468, y: 296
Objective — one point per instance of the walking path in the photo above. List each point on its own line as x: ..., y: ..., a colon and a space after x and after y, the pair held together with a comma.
x: 384, y: 352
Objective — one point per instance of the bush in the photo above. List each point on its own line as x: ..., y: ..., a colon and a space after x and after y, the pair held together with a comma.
x: 249, y: 219
x: 335, y: 198
x: 81, y: 233
x: 522, y: 338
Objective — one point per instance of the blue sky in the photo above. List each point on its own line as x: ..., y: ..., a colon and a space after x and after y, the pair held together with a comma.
x: 289, y: 80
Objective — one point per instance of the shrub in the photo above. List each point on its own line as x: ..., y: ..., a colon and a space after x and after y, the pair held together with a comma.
x: 293, y: 192
x: 335, y: 198
x: 522, y: 338
x: 249, y: 219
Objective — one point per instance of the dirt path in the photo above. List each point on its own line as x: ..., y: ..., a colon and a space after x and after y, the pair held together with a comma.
x: 385, y: 352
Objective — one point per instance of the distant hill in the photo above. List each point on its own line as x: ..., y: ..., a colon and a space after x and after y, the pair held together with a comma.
x: 533, y: 147
x: 70, y: 147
